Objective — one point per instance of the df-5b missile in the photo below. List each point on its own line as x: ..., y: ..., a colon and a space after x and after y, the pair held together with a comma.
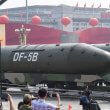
x: 70, y: 58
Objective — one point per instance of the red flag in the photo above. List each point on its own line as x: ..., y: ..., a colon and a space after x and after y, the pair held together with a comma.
x: 92, y: 6
x: 99, y: 5
x: 77, y: 4
x: 85, y: 5
x: 69, y: 107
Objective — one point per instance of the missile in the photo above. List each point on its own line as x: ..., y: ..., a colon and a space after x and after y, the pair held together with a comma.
x: 105, y: 47
x: 69, y: 58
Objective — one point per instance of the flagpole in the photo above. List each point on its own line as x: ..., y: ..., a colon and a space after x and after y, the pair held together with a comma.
x: 93, y: 9
x: 26, y: 11
x: 77, y: 6
x: 1, y: 76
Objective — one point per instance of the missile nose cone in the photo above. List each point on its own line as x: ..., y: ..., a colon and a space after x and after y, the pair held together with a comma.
x: 106, y: 59
x: 90, y: 60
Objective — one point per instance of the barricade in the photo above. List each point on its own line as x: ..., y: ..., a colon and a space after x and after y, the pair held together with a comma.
x: 94, y: 106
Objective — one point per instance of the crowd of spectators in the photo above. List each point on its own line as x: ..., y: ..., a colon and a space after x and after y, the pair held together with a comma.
x: 36, y: 103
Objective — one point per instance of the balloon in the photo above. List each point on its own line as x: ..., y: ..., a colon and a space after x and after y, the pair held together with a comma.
x: 36, y: 20
x: 4, y: 19
x: 65, y: 20
x: 93, y: 21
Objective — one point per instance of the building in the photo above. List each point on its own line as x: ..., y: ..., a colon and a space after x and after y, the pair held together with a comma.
x: 51, y: 16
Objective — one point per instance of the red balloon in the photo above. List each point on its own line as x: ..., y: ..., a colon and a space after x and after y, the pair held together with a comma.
x: 65, y: 20
x: 93, y: 21
x: 36, y: 20
x: 4, y: 19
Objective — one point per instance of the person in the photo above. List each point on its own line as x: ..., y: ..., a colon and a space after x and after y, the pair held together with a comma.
x: 1, y: 105
x: 92, y: 102
x: 20, y: 104
x: 87, y: 93
x: 41, y: 104
x: 84, y: 101
x: 11, y: 103
x: 26, y: 102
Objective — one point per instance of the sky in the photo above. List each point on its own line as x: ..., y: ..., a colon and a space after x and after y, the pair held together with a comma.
x: 20, y: 3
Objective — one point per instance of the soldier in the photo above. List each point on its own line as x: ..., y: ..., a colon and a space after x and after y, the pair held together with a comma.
x: 22, y: 34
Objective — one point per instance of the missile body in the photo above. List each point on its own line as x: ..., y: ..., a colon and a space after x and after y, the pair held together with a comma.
x: 72, y: 58
x: 105, y: 47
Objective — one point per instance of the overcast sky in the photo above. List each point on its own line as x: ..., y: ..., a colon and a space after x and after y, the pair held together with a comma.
x: 19, y: 3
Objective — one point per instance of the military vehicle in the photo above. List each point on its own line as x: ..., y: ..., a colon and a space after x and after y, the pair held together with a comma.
x: 51, y: 60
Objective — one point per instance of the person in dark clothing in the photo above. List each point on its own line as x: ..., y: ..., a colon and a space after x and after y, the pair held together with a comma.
x: 84, y: 101
x: 87, y: 93
x: 92, y: 105
x: 20, y: 104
